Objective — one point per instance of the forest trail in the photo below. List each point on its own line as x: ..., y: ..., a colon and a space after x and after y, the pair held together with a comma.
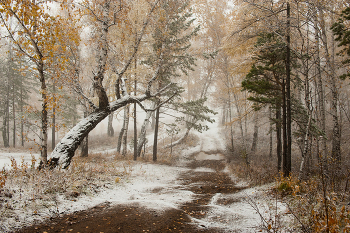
x: 216, y: 204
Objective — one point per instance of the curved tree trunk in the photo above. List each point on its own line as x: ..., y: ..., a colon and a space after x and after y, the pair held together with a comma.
x: 64, y: 150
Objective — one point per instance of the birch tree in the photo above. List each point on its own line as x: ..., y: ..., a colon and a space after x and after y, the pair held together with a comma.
x: 107, y: 16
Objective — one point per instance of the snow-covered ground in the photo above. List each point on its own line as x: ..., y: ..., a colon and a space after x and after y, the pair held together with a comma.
x: 6, y: 157
x: 142, y: 181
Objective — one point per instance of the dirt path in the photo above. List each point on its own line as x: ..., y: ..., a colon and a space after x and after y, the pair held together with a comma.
x: 204, y: 175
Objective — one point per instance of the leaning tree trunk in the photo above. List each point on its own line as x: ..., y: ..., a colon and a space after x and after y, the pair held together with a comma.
x: 305, y: 153
x: 64, y: 150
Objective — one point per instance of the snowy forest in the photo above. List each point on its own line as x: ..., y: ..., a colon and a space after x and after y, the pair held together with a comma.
x: 174, y: 116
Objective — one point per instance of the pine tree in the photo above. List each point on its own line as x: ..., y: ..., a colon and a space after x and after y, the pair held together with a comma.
x: 267, y: 81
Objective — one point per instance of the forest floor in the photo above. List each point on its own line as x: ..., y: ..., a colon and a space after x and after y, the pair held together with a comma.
x: 196, y: 194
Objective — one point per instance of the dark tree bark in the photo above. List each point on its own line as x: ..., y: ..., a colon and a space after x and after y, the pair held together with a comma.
x: 44, y: 123
x: 284, y: 134
x: 279, y: 136
x: 288, y: 158
x: 135, y: 124
x: 271, y: 136
x: 155, y: 141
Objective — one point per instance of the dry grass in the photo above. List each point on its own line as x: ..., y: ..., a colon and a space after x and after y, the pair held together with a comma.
x: 24, y: 189
x: 262, y: 168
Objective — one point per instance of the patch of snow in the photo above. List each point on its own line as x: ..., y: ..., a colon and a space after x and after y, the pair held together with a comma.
x: 5, y: 159
x: 243, y: 213
x: 239, y: 183
x: 153, y: 186
x: 212, y: 140
x: 203, y: 169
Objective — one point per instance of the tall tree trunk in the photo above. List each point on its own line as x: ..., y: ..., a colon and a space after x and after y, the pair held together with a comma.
x: 135, y: 125
x: 305, y: 153
x: 223, y: 118
x: 288, y: 162
x: 123, y: 129
x: 256, y: 131
x: 53, y: 130
x: 22, y: 123
x: 153, y: 120
x: 125, y: 135
x: 110, y: 130
x: 142, y: 136
x: 279, y: 135
x: 155, y: 141
x: 7, y: 129
x: 44, y: 124
x: 14, y: 114
x: 320, y: 94
x: 244, y: 143
x: 336, y: 152
x: 285, y: 135
x: 271, y: 136
x: 230, y: 120
x: 4, y: 129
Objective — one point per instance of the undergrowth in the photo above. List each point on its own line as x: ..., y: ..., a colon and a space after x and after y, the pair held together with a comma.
x: 314, y: 205
x: 26, y: 192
